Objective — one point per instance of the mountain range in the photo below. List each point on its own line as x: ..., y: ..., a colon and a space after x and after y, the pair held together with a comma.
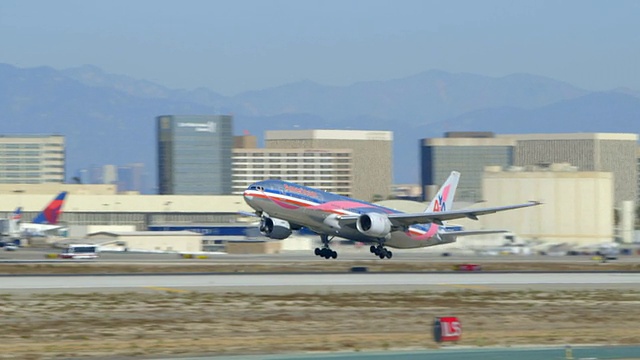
x: 109, y: 119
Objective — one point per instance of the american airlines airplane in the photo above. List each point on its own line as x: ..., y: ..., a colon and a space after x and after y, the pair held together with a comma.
x: 285, y: 206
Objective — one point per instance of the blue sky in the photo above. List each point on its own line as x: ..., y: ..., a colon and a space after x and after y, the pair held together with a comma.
x: 234, y: 46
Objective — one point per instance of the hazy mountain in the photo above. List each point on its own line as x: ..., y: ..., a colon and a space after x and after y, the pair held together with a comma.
x: 596, y: 112
x: 109, y: 119
x: 101, y: 125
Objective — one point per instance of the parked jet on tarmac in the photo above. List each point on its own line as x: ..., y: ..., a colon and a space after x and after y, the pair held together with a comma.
x: 285, y: 206
x: 46, y: 220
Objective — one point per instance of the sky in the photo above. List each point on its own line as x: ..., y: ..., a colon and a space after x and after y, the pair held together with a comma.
x: 240, y: 45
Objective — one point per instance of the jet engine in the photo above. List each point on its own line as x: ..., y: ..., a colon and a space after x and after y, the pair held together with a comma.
x: 274, y: 228
x: 374, y: 225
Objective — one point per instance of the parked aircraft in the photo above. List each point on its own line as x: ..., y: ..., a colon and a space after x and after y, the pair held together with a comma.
x: 285, y: 206
x: 46, y: 220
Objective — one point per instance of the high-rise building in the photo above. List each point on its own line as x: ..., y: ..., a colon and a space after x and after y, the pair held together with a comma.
x: 607, y: 152
x: 109, y: 174
x: 131, y: 177
x: 466, y: 152
x: 325, y: 169
x: 194, y: 154
x: 32, y: 159
x: 371, y: 155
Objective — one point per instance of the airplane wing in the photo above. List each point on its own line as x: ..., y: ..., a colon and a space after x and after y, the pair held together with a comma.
x: 405, y: 219
x: 472, y: 232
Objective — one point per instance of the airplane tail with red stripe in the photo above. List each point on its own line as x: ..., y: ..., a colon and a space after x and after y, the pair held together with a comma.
x: 52, y: 212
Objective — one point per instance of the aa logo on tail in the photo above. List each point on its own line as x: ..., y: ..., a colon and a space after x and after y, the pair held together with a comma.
x: 440, y: 204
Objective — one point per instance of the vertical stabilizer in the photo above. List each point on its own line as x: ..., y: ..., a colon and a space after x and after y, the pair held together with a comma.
x: 14, y: 222
x: 51, y: 213
x: 443, y: 201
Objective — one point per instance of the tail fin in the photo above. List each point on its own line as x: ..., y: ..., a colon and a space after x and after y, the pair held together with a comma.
x: 443, y: 200
x: 17, y: 214
x: 52, y: 212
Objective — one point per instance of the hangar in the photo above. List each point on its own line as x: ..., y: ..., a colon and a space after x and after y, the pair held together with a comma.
x: 177, y: 241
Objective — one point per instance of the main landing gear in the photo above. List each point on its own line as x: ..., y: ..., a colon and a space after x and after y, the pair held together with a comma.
x: 326, y: 251
x: 381, y: 251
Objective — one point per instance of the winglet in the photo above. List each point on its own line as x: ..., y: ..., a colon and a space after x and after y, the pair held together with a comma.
x: 443, y: 201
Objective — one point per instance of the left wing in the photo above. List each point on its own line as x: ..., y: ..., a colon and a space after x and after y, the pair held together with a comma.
x: 438, y: 217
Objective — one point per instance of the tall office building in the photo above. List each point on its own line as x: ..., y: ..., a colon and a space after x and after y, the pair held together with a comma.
x: 466, y: 152
x: 194, y: 154
x: 32, y: 159
x: 131, y: 177
x: 325, y: 169
x: 371, y: 155
x: 607, y: 152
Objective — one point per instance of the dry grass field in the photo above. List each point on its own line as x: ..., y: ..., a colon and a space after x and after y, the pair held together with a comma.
x: 180, y: 322
x: 48, y: 326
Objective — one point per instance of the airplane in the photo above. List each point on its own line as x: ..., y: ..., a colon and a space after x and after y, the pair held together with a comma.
x: 285, y: 206
x: 46, y: 220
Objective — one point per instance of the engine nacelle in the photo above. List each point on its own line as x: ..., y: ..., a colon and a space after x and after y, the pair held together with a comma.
x: 275, y: 228
x: 374, y: 225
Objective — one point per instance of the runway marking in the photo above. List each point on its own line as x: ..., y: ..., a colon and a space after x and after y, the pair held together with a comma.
x: 158, y: 288
x: 468, y: 287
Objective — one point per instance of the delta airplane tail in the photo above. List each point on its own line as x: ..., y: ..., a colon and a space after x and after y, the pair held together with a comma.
x: 52, y: 212
x: 443, y: 201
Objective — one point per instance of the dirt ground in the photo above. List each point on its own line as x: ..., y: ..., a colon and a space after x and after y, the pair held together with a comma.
x: 48, y: 326
x: 180, y: 322
x: 305, y: 266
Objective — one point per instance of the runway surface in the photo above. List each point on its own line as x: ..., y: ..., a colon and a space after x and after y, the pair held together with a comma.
x: 350, y: 254
x: 526, y: 353
x: 278, y: 283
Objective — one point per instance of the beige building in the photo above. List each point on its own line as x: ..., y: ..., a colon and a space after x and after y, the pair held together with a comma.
x: 178, y: 241
x: 32, y: 159
x: 610, y: 152
x: 577, y: 206
x: 326, y: 169
x: 372, y: 161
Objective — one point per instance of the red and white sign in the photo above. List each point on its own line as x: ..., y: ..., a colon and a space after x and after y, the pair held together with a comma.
x: 450, y: 328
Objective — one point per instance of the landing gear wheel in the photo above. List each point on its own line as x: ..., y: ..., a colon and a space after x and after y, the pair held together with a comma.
x: 389, y: 254
x: 325, y: 251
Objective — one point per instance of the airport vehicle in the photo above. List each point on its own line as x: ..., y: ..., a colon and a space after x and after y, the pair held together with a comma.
x: 46, y: 220
x: 79, y: 251
x: 285, y: 206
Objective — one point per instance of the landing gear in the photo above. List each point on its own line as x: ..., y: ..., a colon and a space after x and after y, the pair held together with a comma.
x: 381, y: 251
x: 325, y: 251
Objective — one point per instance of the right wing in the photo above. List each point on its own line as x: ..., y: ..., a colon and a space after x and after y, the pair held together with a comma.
x: 404, y: 219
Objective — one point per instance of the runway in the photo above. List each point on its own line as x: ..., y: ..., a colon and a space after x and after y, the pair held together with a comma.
x: 347, y: 282
x: 408, y: 256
